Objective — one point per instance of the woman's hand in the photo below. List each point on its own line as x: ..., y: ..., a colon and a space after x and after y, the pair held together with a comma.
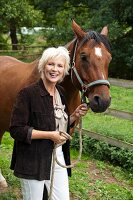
x: 57, y: 138
x: 80, y: 111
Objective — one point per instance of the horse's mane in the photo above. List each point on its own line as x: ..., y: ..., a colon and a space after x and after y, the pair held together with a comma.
x: 97, y: 38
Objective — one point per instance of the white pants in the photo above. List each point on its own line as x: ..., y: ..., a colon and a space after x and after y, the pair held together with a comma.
x: 33, y: 189
x: 1, y: 176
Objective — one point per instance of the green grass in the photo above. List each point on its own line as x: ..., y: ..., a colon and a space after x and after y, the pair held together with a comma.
x: 109, y: 126
x: 13, y: 191
x: 122, y: 98
x: 91, y: 179
x: 97, y: 180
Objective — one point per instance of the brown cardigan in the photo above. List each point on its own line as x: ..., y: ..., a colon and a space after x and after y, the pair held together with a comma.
x: 31, y: 159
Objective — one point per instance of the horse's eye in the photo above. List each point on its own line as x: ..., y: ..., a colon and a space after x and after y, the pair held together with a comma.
x: 83, y: 57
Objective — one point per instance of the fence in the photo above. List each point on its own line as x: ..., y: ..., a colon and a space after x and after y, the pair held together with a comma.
x: 24, y: 52
x: 121, y: 82
x: 109, y: 140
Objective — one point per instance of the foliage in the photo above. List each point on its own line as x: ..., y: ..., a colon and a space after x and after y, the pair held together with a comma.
x: 94, y: 15
x: 21, y: 13
x: 15, y: 14
x: 63, y: 33
x: 57, y: 15
x: 103, y: 151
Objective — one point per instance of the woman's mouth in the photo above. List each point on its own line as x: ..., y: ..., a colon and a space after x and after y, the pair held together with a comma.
x: 53, y: 75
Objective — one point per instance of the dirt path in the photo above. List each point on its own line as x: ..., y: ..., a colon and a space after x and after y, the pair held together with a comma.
x: 103, y: 174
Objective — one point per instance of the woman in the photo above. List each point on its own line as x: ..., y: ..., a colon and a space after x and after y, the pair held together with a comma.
x: 39, y: 115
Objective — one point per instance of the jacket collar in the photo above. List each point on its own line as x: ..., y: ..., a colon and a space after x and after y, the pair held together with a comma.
x: 42, y: 89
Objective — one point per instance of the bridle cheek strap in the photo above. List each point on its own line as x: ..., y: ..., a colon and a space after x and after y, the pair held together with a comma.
x: 87, y: 86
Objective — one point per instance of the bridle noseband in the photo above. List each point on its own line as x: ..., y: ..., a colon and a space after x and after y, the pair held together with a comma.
x: 84, y: 86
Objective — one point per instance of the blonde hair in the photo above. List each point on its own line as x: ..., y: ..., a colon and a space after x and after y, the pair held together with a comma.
x: 51, y: 53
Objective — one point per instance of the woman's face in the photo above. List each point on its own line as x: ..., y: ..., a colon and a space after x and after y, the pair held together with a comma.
x: 54, y: 70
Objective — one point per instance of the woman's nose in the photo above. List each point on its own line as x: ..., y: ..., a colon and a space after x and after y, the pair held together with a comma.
x: 54, y: 67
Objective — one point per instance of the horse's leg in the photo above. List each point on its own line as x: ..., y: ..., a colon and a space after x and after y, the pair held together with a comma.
x: 3, y: 183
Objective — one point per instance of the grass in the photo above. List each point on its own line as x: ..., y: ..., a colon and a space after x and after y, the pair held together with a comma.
x: 122, y: 98
x: 13, y: 191
x: 91, y: 179
x: 97, y: 180
x: 109, y: 126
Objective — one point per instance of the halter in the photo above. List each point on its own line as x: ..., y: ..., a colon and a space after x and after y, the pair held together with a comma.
x: 84, y: 86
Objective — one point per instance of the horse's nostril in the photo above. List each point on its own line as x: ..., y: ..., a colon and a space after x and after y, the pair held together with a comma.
x: 97, y: 99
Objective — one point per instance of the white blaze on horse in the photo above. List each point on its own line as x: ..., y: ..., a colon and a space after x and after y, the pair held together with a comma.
x: 90, y: 56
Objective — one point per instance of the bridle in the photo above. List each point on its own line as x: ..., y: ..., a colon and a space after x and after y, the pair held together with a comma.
x: 84, y: 86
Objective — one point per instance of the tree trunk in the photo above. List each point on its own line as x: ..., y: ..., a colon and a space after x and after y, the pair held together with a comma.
x: 13, y: 35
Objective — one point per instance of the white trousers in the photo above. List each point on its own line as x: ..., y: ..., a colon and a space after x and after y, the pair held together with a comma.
x: 33, y: 189
x: 1, y: 176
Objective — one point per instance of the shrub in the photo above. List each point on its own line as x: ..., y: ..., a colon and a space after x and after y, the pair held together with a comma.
x: 103, y: 151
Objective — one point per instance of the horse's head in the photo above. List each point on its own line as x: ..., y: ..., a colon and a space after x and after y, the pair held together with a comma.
x: 90, y: 57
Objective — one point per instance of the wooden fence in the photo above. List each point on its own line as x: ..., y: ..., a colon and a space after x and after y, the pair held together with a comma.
x: 120, y: 114
x: 121, y: 82
x: 25, y: 52
x: 109, y: 140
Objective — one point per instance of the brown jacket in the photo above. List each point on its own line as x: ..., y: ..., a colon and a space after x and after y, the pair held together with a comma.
x: 33, y: 108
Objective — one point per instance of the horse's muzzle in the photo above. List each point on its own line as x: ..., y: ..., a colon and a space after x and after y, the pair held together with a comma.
x: 98, y: 105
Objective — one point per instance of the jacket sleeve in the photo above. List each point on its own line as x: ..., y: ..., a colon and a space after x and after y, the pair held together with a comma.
x: 19, y: 123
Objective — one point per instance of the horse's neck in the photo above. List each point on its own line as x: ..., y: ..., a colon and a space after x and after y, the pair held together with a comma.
x: 34, y: 74
x: 71, y: 93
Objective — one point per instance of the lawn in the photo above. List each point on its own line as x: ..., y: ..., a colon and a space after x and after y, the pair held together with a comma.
x: 122, y: 98
x: 109, y: 126
x: 91, y: 179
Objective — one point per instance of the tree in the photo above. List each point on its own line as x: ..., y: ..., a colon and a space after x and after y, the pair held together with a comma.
x: 15, y: 14
x: 118, y: 14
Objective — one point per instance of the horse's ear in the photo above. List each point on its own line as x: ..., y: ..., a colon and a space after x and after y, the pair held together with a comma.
x: 104, y: 30
x: 78, y: 30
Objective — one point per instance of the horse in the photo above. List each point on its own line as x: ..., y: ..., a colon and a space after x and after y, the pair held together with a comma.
x: 90, y: 56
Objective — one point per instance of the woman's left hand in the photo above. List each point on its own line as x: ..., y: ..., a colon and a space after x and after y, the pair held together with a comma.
x: 81, y: 110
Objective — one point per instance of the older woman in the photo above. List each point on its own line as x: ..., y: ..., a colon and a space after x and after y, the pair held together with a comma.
x: 39, y: 114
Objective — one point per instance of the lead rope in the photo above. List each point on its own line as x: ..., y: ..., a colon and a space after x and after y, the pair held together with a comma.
x: 57, y: 161
x: 83, y: 100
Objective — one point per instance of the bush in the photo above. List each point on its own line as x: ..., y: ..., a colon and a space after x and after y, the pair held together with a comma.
x: 103, y: 151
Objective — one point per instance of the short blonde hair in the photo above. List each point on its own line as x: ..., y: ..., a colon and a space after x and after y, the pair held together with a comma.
x: 51, y: 53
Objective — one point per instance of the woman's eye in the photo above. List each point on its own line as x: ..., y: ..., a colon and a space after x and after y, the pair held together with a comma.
x: 61, y: 66
x: 51, y: 64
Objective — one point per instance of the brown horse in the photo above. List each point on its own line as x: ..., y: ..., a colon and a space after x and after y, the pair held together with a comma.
x: 90, y: 56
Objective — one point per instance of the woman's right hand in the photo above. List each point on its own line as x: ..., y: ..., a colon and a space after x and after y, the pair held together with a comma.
x: 57, y: 138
